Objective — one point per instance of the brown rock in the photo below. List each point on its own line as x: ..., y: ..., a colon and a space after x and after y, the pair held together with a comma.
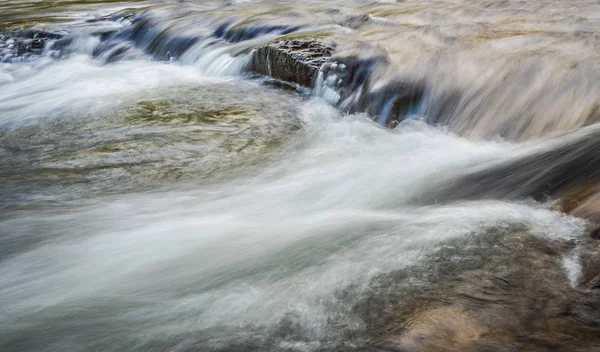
x: 295, y: 61
x: 518, y: 298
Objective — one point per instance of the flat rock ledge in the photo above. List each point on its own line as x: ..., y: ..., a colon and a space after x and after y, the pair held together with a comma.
x: 294, y: 61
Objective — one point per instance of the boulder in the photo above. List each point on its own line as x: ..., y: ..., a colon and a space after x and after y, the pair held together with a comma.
x: 294, y: 61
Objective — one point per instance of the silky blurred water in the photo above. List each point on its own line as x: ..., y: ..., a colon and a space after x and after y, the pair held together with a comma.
x: 177, y: 203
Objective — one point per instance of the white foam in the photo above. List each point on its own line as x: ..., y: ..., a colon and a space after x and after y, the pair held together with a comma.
x: 80, y: 86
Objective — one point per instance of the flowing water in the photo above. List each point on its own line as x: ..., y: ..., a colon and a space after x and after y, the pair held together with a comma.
x: 156, y: 196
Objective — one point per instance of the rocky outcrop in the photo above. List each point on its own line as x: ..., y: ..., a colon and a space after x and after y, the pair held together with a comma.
x: 294, y: 61
x: 345, y: 81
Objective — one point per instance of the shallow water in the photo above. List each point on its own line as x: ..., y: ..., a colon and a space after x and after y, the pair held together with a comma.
x: 156, y: 196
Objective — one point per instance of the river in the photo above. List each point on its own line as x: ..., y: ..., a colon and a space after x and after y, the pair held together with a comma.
x: 155, y: 195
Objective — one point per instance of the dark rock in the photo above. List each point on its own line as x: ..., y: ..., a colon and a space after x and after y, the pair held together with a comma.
x: 295, y: 61
x: 310, y: 63
x: 38, y: 34
x: 595, y: 233
x: 37, y: 44
x: 25, y: 45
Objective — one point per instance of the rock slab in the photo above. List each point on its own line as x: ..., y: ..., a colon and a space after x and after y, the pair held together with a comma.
x: 294, y: 61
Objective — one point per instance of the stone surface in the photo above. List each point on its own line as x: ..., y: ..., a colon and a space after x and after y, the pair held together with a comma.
x: 295, y: 61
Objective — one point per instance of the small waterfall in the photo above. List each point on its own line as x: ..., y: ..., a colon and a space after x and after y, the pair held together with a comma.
x: 363, y: 84
x: 523, y: 107
x: 225, y: 50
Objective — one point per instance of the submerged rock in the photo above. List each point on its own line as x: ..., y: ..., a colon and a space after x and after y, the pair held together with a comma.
x: 508, y: 292
x: 236, y: 34
x: 295, y: 61
x: 583, y: 201
x: 561, y: 166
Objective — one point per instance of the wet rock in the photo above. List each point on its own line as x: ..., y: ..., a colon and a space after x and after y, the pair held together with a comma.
x: 347, y: 82
x: 37, y: 44
x: 38, y: 34
x: 25, y: 45
x: 508, y: 292
x: 590, y: 265
x: 583, y: 201
x: 566, y: 170
x: 295, y: 61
